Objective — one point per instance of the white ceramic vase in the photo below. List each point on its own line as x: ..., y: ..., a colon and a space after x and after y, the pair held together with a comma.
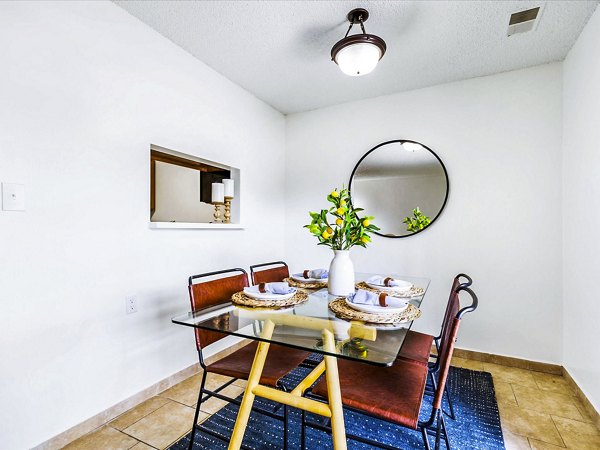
x: 341, y: 274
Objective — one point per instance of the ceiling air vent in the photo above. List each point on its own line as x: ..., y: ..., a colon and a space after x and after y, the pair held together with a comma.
x: 523, y: 21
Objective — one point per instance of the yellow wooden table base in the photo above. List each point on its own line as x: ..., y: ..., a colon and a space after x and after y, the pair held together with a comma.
x: 333, y: 409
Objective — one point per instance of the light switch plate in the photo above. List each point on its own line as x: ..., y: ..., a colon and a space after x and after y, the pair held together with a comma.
x: 13, y: 197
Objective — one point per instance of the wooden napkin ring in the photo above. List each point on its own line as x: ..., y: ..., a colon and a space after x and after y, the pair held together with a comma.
x: 262, y: 288
x: 305, y: 274
x: 382, y: 302
x: 387, y: 281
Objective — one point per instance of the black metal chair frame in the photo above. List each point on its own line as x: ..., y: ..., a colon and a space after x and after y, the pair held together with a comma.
x: 256, y: 266
x: 216, y: 393
x: 434, y: 366
x: 434, y: 426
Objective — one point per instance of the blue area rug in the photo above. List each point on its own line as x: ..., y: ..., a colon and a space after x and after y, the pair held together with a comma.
x: 477, y: 426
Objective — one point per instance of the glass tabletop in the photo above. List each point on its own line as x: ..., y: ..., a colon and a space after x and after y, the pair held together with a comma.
x: 301, y: 326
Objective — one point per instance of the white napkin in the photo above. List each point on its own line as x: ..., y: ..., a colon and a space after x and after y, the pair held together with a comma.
x: 317, y: 274
x: 276, y: 288
x: 363, y: 297
x: 380, y: 281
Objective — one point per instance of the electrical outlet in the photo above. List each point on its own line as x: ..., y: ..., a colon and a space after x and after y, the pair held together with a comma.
x: 13, y: 197
x: 131, y: 304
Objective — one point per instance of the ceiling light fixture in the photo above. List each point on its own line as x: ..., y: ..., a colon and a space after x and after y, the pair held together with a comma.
x: 411, y: 146
x: 358, y: 54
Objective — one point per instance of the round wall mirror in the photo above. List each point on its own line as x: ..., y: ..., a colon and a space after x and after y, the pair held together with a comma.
x: 403, y: 183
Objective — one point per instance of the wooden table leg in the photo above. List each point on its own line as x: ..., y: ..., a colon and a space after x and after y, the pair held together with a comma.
x: 253, y: 380
x: 338, y: 429
x: 332, y: 409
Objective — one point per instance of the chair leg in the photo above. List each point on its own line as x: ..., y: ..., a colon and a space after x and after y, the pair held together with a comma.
x: 282, y: 387
x: 425, y: 438
x: 447, y: 392
x: 437, y: 431
x: 191, y: 446
x: 285, y: 427
x: 430, y: 375
x: 303, y: 431
x: 445, y: 432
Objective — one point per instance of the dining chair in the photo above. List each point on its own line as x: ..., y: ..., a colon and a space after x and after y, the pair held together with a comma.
x: 369, y: 389
x: 278, y: 272
x: 417, y: 346
x: 216, y: 288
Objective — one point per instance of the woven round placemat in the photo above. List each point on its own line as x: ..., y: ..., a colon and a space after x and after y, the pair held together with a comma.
x: 342, y: 310
x: 239, y: 298
x: 301, y: 284
x: 412, y: 292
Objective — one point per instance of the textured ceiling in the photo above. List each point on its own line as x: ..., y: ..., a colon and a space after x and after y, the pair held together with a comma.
x: 279, y: 50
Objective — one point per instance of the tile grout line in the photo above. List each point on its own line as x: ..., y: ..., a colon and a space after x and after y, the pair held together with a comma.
x: 169, y: 399
x: 541, y: 439
x: 201, y: 421
x: 583, y: 413
x: 512, y: 389
x: 176, y: 401
x: 137, y: 442
x: 558, y: 431
x: 133, y: 423
x: 544, y: 392
x: 136, y: 421
x: 553, y: 414
x: 147, y: 443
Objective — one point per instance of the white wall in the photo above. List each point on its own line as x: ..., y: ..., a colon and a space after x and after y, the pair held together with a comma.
x: 581, y: 212
x: 499, y: 138
x: 85, y: 88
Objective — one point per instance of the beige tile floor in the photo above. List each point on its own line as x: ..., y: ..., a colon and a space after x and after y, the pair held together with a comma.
x: 538, y: 411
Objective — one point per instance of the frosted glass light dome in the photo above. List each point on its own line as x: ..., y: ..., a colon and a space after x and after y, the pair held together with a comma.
x: 358, y: 59
x: 411, y: 146
x: 358, y: 54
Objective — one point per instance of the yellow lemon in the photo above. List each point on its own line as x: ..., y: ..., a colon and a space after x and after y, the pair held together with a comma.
x: 364, y: 239
x: 329, y: 231
x: 340, y: 211
x: 366, y: 223
x: 339, y: 222
x: 335, y: 194
x: 325, y: 235
x: 342, y: 202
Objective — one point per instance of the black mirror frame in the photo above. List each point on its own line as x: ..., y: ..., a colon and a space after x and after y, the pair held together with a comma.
x: 402, y: 141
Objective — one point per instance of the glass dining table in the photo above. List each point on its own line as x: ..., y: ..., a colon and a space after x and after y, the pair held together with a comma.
x: 310, y: 326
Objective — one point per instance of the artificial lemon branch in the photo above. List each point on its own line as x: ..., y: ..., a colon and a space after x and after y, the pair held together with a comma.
x: 417, y: 222
x: 346, y: 229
